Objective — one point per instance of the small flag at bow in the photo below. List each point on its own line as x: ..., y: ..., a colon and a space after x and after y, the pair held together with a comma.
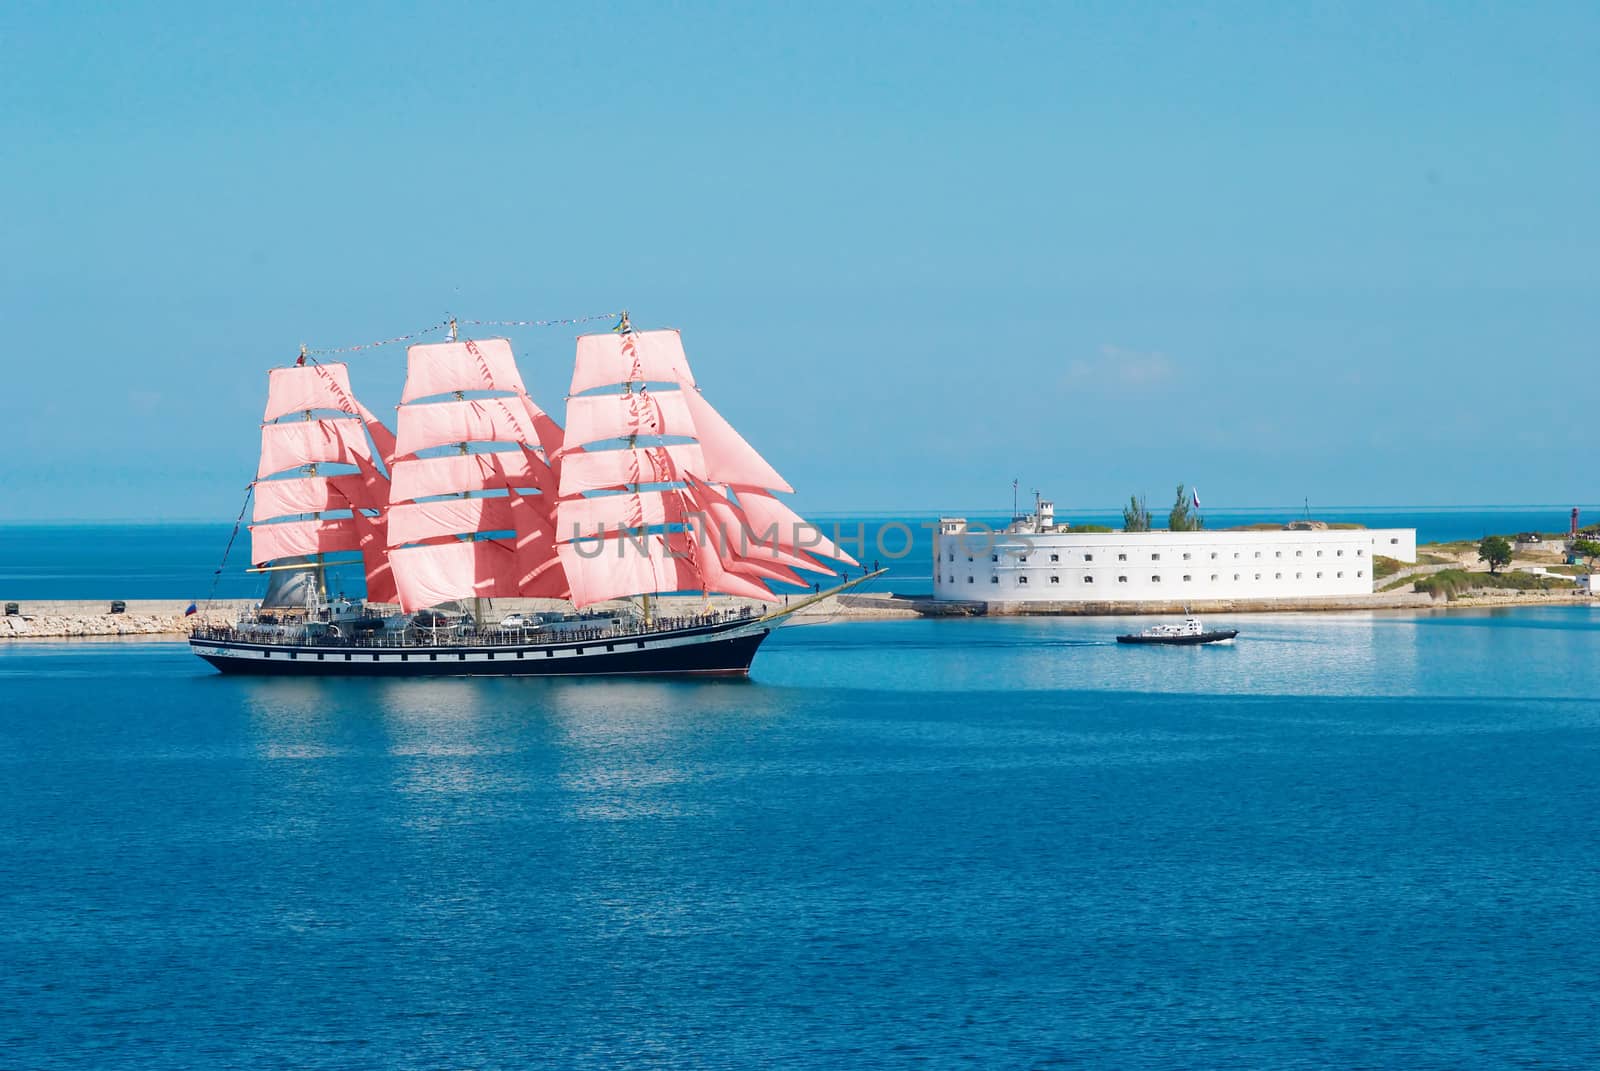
x: 193, y: 609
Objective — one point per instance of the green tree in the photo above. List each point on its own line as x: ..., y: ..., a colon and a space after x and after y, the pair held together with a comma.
x: 1587, y: 548
x: 1496, y: 550
x: 1183, y: 517
x: 1136, y: 515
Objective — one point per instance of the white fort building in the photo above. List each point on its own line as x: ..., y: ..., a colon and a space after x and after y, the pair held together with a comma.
x: 1036, y: 560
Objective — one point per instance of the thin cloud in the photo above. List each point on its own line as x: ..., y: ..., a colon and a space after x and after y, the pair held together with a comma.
x: 1117, y: 368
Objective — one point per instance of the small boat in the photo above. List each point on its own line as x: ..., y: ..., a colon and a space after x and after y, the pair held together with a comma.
x: 1188, y: 634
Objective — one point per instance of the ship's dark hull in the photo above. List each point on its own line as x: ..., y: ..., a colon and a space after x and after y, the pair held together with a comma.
x: 718, y: 650
x: 1219, y: 636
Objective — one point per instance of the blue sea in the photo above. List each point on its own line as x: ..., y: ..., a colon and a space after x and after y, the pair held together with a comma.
x: 186, y: 561
x: 1347, y: 841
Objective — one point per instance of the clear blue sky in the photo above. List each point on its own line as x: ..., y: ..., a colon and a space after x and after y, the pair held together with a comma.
x: 1339, y: 251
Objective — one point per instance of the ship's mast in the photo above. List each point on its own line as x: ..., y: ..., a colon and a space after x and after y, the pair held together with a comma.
x: 625, y: 327
x: 461, y: 396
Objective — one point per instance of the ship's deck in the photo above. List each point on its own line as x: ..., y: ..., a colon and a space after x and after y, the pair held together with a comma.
x: 307, y: 635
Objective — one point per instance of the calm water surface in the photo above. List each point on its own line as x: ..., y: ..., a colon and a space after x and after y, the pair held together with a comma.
x: 1347, y: 841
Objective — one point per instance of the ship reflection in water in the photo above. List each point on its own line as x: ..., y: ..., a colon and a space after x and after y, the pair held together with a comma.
x: 612, y: 748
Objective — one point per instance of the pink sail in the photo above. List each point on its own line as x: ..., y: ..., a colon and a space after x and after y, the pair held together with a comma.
x: 444, y: 572
x: 312, y: 386
x: 291, y: 539
x: 601, y: 470
x: 447, y: 367
x: 366, y: 488
x: 586, y: 518
x: 304, y: 494
x: 413, y: 522
x: 637, y: 356
x: 372, y: 541
x: 728, y: 458
x: 505, y: 420
x: 453, y: 473
x: 726, y: 529
x: 547, y: 432
x: 382, y: 437
x: 715, y: 576
x: 539, y: 572
x: 794, y: 533
x: 651, y: 564
x: 310, y: 442
x: 754, y: 569
x: 321, y: 494
x: 597, y: 417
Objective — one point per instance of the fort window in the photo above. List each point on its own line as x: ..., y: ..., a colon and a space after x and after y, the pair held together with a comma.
x: 1022, y: 580
x: 1213, y: 576
x: 1155, y: 557
x: 994, y: 557
x: 1185, y: 555
x: 1236, y: 576
x: 969, y: 579
x: 1055, y: 580
x: 1023, y: 558
x: 1088, y: 580
x: 1258, y: 576
x: 1277, y: 576
x: 1277, y: 554
x: 1394, y: 541
x: 1122, y: 580
x: 1360, y: 573
x: 1319, y: 553
x: 994, y: 580
x: 1340, y: 574
x: 1298, y: 553
x: 1055, y: 557
x: 1155, y: 580
x: 1360, y: 553
x: 1122, y: 557
x: 1088, y: 557
x: 1319, y: 576
x: 1187, y: 578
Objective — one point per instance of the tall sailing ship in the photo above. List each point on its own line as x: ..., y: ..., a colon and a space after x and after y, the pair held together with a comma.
x: 479, y: 495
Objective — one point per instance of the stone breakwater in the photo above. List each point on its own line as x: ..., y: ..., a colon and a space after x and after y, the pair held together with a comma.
x: 89, y: 618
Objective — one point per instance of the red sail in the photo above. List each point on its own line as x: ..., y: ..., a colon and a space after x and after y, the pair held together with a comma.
x: 728, y: 458
x: 632, y: 357
x: 606, y: 469
x: 662, y: 562
x: 415, y: 522
x: 311, y: 442
x: 598, y: 417
x: 424, y: 477
x: 303, y: 388
x: 444, y: 572
x: 298, y: 539
x: 484, y: 364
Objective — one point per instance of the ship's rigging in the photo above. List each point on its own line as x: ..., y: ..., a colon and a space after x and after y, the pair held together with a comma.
x: 480, y: 493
